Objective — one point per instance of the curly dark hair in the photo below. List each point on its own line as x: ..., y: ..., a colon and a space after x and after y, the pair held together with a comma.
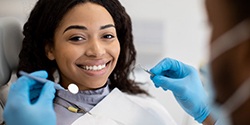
x: 40, y: 28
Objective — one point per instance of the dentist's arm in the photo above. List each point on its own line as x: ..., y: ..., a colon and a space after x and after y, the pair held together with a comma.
x: 30, y: 103
x: 183, y: 80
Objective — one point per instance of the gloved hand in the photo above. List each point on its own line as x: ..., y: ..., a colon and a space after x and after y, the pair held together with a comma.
x: 183, y: 80
x: 20, y: 111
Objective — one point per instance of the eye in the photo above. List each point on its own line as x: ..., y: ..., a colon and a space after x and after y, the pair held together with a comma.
x: 76, y: 38
x: 108, y: 36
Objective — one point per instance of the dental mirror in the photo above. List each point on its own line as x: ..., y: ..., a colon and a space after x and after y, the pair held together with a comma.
x: 73, y: 88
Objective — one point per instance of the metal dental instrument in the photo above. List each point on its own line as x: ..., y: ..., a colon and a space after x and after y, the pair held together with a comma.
x: 42, y: 80
x: 146, y: 70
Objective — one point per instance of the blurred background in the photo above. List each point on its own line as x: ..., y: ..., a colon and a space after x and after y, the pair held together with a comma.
x: 162, y: 28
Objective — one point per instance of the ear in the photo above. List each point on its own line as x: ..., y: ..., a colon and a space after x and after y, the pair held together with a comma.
x: 49, y: 52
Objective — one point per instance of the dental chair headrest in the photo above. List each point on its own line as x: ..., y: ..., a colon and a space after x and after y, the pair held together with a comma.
x: 10, y: 45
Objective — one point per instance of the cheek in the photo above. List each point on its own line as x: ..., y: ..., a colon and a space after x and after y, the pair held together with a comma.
x: 115, y: 50
x: 66, y: 55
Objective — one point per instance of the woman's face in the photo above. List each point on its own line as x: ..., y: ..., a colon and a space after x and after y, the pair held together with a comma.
x: 86, y: 47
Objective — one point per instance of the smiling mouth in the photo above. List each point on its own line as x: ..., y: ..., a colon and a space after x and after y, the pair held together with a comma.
x: 94, y: 67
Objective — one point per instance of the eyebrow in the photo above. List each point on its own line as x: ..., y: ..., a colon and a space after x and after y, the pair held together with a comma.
x: 106, y: 26
x: 85, y: 28
x: 75, y: 27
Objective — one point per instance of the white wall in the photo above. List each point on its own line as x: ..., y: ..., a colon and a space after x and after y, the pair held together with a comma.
x: 162, y: 28
x: 185, y: 25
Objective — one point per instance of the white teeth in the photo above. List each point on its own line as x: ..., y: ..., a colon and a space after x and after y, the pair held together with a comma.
x: 94, y: 68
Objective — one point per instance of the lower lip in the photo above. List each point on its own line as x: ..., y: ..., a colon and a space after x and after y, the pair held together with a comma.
x: 97, y: 72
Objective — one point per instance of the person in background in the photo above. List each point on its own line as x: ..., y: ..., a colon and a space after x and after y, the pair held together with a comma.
x: 230, y: 50
x: 88, y: 43
x: 229, y: 66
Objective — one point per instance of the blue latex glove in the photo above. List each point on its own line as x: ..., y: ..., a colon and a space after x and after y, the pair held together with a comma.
x: 183, y: 80
x: 30, y: 102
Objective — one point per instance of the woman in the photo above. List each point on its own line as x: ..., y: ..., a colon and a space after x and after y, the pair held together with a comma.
x: 89, y: 43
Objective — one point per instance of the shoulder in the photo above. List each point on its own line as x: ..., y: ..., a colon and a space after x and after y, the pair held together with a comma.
x: 152, y: 105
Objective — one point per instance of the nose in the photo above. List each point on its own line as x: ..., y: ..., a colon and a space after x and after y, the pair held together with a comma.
x: 95, y: 48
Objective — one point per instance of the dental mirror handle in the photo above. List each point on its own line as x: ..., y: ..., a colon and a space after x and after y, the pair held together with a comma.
x: 41, y: 80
